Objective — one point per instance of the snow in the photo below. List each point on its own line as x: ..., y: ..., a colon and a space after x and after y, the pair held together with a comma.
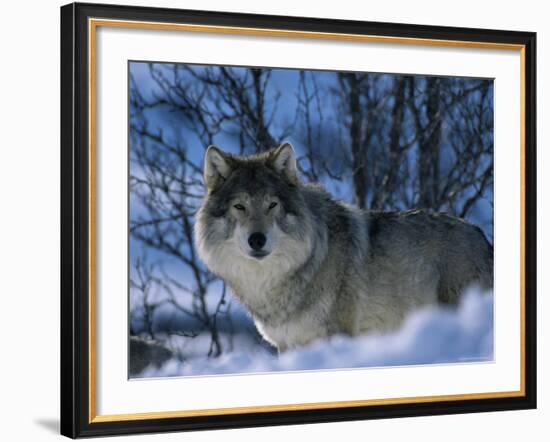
x: 430, y: 335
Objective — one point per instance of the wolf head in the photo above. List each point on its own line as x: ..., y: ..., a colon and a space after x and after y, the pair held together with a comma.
x: 253, y: 217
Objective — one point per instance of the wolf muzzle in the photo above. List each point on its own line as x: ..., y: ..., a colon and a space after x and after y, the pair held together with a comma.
x: 257, y: 241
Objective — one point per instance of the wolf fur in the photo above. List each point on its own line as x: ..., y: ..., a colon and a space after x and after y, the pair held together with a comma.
x: 318, y: 267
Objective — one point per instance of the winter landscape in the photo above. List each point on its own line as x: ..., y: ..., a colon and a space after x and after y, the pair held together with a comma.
x: 379, y: 141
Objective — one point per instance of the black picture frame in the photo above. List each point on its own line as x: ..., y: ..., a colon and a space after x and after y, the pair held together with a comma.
x: 75, y: 221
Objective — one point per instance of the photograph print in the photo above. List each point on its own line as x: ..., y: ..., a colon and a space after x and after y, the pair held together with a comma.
x: 286, y: 219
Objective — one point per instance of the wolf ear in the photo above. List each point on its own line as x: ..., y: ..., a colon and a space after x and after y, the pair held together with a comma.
x: 284, y: 162
x: 216, y: 167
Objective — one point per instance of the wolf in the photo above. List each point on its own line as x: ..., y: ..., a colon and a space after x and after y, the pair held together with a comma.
x: 308, y: 267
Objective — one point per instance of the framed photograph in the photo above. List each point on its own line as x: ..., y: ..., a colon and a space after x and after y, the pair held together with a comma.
x: 274, y: 220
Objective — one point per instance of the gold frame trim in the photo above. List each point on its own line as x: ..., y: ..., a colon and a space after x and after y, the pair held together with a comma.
x: 93, y: 24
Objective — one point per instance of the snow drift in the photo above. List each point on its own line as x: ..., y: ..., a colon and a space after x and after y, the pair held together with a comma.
x: 429, y: 335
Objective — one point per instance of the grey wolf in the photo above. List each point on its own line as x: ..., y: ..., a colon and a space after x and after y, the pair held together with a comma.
x: 308, y: 267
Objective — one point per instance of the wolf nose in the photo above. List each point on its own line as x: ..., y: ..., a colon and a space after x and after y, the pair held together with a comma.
x: 257, y: 240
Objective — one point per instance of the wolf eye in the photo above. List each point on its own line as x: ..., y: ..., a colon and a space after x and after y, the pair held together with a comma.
x: 239, y: 206
x: 272, y: 205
